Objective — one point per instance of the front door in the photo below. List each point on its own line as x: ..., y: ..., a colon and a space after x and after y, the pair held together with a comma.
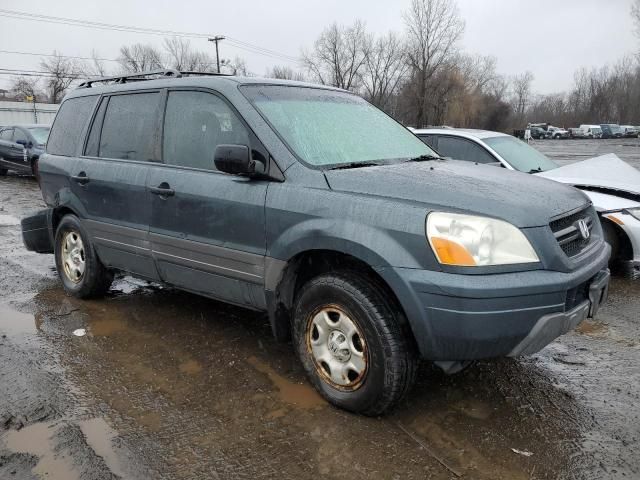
x: 110, y: 179
x: 207, y: 228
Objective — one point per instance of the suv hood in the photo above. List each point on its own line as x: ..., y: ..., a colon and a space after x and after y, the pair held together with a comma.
x: 607, y: 173
x: 521, y: 199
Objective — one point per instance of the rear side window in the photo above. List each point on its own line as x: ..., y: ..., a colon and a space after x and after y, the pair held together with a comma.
x: 66, y: 133
x: 128, y: 129
x: 431, y: 140
x: 19, y: 135
x: 195, y: 124
x: 462, y: 149
x: 6, y: 134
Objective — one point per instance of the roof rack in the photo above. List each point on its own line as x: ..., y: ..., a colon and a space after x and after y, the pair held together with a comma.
x: 142, y: 76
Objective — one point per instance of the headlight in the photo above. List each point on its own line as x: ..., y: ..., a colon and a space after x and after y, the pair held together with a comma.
x: 634, y: 212
x: 466, y: 240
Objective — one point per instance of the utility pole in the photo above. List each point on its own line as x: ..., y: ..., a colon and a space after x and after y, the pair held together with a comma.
x: 216, y: 39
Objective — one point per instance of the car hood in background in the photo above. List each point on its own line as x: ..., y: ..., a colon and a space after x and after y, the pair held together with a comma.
x: 605, y: 172
x: 521, y: 199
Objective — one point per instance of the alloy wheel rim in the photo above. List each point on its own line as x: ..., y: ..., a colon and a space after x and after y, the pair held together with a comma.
x: 337, y: 347
x: 73, y: 256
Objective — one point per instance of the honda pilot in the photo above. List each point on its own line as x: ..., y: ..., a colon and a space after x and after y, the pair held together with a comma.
x: 306, y: 202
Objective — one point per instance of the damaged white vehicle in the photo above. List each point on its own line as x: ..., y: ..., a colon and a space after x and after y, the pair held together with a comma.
x: 612, y: 185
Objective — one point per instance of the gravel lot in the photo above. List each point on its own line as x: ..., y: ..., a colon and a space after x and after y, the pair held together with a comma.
x: 167, y: 385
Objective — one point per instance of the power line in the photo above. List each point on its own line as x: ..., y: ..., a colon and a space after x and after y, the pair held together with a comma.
x: 57, y: 55
x: 152, y: 31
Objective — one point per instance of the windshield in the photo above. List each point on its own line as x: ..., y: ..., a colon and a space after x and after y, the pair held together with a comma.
x: 616, y: 129
x: 40, y: 134
x: 520, y: 155
x: 326, y: 128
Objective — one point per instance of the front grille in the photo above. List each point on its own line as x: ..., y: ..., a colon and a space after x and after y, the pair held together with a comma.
x: 568, y: 233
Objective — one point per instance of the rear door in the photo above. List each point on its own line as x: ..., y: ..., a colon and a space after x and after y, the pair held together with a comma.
x: 110, y: 179
x: 207, y: 228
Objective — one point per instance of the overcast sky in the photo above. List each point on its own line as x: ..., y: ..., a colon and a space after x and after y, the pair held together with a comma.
x: 549, y: 38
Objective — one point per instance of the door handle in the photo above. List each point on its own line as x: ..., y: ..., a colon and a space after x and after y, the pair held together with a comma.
x: 81, y: 178
x: 163, y: 190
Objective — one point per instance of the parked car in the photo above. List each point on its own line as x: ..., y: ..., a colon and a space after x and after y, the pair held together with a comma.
x: 612, y: 185
x: 538, y: 133
x: 591, y: 131
x: 310, y: 204
x: 629, y: 131
x: 611, y: 130
x: 21, y: 146
x: 557, y: 133
x: 577, y: 132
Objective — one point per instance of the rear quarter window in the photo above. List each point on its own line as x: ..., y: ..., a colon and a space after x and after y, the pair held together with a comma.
x: 68, y: 127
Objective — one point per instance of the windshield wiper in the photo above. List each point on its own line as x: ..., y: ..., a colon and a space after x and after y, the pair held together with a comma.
x: 425, y: 158
x: 345, y: 166
x: 535, y: 170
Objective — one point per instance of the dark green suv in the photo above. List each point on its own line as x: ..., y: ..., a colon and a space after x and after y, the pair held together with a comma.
x: 306, y: 202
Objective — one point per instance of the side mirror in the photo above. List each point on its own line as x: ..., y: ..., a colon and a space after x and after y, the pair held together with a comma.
x: 236, y: 160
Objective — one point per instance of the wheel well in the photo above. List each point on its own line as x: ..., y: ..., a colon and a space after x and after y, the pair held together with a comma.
x: 622, y: 250
x: 57, y: 215
x: 307, y: 265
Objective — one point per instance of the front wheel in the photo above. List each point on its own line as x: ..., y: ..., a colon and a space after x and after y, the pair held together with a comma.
x: 79, y: 268
x: 355, y: 346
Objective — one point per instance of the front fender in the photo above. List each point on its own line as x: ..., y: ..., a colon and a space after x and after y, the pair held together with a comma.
x: 374, y: 246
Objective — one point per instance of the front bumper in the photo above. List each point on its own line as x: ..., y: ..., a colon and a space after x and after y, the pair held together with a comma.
x: 466, y: 317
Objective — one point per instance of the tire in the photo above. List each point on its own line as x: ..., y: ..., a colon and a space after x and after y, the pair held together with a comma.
x: 34, y: 167
x: 3, y: 172
x: 79, y: 268
x: 611, y: 237
x: 346, y: 319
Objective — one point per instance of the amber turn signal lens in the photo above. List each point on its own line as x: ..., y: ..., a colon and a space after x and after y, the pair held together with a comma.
x: 452, y: 253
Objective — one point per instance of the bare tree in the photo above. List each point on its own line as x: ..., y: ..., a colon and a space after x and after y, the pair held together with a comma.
x: 285, y: 73
x: 93, y: 68
x: 183, y: 57
x: 139, y: 58
x: 433, y: 30
x: 61, y: 73
x: 338, y: 56
x: 384, y: 67
x: 521, y: 93
x: 237, y: 66
x: 23, y: 87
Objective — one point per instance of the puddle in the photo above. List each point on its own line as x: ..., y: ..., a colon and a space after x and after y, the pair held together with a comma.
x: 40, y: 440
x: 99, y: 436
x: 299, y: 394
x: 106, y: 326
x: 36, y: 440
x: 16, y: 323
x: 592, y: 329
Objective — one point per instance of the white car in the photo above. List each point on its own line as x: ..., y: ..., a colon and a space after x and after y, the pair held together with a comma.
x: 557, y: 132
x: 591, y: 131
x: 612, y: 185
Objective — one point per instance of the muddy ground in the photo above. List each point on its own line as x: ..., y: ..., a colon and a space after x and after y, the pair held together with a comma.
x: 168, y: 385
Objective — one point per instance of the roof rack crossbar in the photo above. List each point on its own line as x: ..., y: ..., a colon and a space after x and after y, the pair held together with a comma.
x: 141, y: 76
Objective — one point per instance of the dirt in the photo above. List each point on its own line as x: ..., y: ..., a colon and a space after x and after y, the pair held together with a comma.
x: 168, y: 385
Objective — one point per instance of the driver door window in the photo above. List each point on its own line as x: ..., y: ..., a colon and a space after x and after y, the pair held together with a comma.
x: 195, y: 124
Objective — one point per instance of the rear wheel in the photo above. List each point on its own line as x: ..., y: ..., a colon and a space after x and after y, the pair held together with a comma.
x: 34, y: 167
x: 79, y: 268
x: 3, y: 172
x: 355, y: 346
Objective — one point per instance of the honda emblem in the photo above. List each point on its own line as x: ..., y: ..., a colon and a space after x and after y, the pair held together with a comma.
x: 583, y: 228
